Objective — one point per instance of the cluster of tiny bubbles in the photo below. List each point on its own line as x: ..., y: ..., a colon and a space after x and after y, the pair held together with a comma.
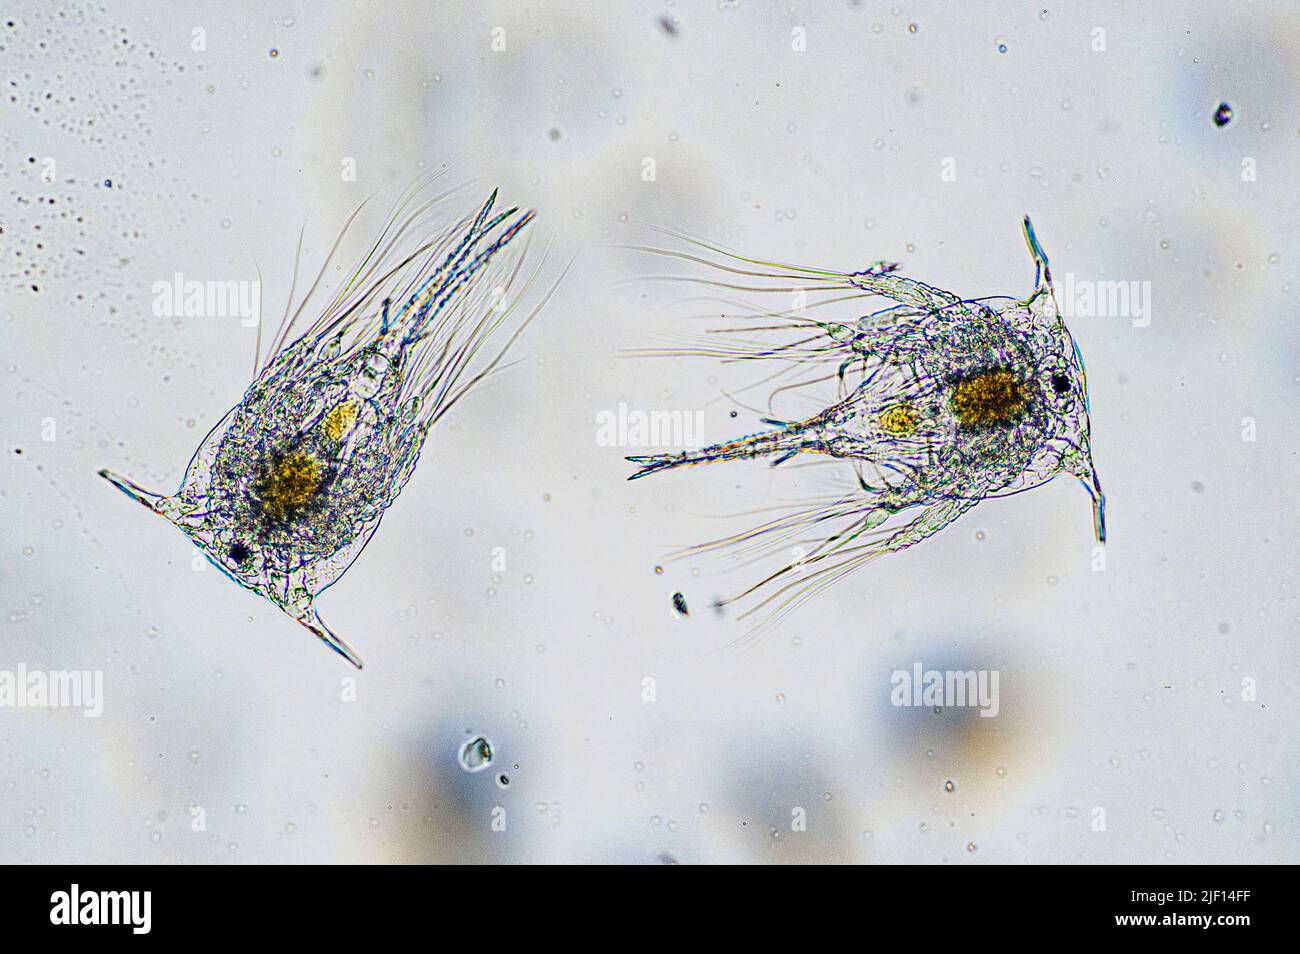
x: 85, y: 82
x: 476, y: 754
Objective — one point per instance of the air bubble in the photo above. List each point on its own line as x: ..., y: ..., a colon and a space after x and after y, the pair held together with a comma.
x: 476, y: 754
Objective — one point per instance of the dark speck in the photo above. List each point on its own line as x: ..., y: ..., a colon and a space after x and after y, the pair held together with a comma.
x: 668, y: 24
x: 679, y: 605
x: 1223, y: 115
x: 239, y: 553
x: 1060, y: 383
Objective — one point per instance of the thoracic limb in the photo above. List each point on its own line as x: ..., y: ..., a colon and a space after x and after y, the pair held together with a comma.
x: 905, y: 291
x: 931, y: 520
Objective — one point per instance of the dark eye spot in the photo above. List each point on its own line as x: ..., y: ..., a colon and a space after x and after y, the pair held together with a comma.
x: 239, y: 553
x: 1060, y: 383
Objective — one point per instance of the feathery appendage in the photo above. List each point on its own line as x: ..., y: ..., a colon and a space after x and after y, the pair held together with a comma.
x: 286, y: 490
x: 941, y: 402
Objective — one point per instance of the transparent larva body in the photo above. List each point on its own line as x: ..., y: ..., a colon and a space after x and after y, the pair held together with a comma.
x: 943, y: 402
x: 284, y: 493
